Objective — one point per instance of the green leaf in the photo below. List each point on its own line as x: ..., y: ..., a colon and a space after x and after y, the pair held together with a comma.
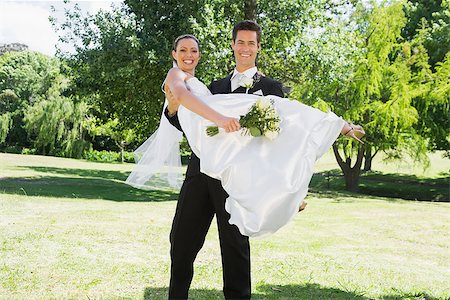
x: 255, y: 131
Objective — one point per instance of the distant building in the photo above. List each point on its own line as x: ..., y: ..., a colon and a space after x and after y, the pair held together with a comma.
x: 12, y: 47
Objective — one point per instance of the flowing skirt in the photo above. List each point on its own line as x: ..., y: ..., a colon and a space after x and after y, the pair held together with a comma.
x: 266, y: 180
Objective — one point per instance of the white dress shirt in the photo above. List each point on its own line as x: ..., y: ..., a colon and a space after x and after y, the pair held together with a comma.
x: 235, y: 77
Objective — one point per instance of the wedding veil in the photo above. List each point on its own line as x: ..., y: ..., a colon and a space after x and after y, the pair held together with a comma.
x: 158, y: 159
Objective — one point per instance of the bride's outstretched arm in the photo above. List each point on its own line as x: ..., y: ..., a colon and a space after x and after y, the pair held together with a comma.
x: 176, y: 82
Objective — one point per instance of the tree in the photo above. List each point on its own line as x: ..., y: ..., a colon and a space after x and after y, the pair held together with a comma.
x: 5, y: 126
x: 429, y: 21
x: 57, y: 124
x: 433, y: 107
x: 122, y: 57
x: 24, y: 78
x: 360, y: 68
x: 434, y: 15
x: 389, y: 75
x: 250, y: 10
x: 339, y: 55
x: 121, y: 137
x: 286, y: 43
x: 28, y: 74
x: 9, y: 103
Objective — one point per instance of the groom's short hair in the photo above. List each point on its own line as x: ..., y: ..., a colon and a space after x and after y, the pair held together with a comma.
x: 247, y: 25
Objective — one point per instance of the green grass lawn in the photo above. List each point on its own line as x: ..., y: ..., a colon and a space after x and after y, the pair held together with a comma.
x: 71, y: 229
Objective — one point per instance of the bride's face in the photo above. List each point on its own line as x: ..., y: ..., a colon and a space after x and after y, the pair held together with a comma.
x: 186, y: 55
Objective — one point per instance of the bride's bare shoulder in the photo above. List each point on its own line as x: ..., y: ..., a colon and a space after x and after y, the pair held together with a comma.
x: 177, y: 74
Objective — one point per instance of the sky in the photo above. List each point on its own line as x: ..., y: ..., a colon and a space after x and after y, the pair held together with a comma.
x: 26, y: 22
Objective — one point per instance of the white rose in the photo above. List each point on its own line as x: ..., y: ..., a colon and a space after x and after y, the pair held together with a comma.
x: 266, y: 102
x: 271, y: 114
x: 271, y: 135
x: 246, y: 82
x: 262, y: 103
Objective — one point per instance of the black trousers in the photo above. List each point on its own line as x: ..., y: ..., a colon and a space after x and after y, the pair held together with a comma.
x: 200, y: 198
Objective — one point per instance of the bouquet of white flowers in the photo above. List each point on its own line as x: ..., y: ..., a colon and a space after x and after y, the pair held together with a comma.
x: 261, y: 120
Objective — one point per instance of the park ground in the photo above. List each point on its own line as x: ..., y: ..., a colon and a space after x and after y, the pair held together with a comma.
x: 71, y: 229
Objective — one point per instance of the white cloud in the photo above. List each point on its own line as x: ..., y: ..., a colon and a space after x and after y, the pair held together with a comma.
x: 27, y: 22
x: 95, y: 6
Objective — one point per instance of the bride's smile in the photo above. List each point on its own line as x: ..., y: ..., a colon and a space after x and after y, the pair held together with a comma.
x: 187, y: 55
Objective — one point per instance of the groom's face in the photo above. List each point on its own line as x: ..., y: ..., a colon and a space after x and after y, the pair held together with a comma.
x: 245, y: 48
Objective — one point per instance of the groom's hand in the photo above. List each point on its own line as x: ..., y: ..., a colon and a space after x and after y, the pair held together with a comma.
x: 173, y: 104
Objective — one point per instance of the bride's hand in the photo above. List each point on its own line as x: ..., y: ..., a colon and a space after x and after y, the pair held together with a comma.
x: 227, y: 123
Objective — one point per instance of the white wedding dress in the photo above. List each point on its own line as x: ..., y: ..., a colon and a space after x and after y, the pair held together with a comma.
x: 266, y: 180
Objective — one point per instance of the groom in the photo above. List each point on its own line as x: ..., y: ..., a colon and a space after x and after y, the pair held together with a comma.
x: 201, y: 197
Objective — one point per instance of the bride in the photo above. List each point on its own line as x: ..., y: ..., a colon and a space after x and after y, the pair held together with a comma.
x: 266, y: 180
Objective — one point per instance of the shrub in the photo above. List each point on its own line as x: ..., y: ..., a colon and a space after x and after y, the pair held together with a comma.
x: 28, y: 151
x: 12, y: 149
x: 107, y: 156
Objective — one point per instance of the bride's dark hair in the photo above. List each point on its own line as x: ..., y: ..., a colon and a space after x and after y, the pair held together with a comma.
x: 182, y: 37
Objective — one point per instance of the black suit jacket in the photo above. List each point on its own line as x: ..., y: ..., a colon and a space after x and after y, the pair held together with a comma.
x: 267, y: 85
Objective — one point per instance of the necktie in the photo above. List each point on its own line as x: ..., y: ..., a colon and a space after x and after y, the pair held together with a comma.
x: 236, y: 79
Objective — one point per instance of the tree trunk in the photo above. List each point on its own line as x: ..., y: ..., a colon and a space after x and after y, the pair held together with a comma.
x: 368, y: 159
x: 352, y: 180
x: 250, y: 10
x: 122, y: 150
x: 351, y: 174
x: 368, y: 149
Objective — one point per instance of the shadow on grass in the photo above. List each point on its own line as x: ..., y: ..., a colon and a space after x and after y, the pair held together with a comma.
x: 81, y: 183
x: 377, y: 184
x: 292, y: 292
x: 307, y: 291
x: 85, y: 173
x: 410, y: 296
x: 109, y: 185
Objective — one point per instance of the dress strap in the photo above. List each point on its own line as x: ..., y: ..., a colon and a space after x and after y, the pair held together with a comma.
x: 162, y: 86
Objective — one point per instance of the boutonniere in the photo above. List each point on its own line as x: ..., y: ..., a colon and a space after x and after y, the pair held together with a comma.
x: 257, y: 77
x: 249, y: 83
x: 246, y: 82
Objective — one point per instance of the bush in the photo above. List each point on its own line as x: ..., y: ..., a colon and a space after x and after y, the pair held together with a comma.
x: 128, y: 156
x: 28, y: 151
x: 12, y: 149
x: 107, y: 156
x: 185, y: 151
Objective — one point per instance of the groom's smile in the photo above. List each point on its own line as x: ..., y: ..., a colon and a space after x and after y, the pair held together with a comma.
x: 245, y: 48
